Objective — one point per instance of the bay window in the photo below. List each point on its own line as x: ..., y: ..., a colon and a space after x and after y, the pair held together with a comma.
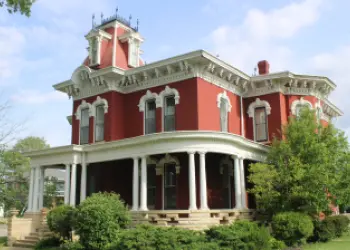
x: 150, y: 117
x: 260, y: 119
x: 169, y: 113
x: 99, y: 123
x: 84, y: 126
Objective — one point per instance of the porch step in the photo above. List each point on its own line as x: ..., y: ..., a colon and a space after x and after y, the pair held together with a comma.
x: 24, y: 243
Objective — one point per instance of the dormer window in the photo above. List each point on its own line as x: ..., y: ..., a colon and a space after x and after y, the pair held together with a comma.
x: 133, y: 57
x: 95, y: 38
x: 224, y: 105
x: 169, y: 113
x: 94, y: 51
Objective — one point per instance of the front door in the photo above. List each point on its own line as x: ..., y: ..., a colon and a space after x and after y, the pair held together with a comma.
x: 169, y: 186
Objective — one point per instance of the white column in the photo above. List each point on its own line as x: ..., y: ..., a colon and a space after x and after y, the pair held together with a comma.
x: 36, y: 189
x: 73, y: 185
x: 143, y: 200
x: 135, y: 185
x: 238, y: 185
x: 203, y: 181
x: 244, y: 200
x: 31, y: 190
x: 66, y: 184
x: 83, y: 181
x: 192, y: 181
x: 42, y: 186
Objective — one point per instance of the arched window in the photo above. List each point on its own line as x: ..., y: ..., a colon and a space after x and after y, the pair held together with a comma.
x: 148, y: 105
x: 83, y: 113
x: 168, y: 99
x: 100, y: 109
x: 224, y: 105
x: 259, y: 111
x: 298, y: 105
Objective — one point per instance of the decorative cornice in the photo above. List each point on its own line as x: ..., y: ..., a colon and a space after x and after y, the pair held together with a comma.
x: 195, y: 64
x: 221, y: 96
x: 258, y: 103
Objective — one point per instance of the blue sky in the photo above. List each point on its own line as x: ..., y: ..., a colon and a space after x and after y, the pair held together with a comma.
x: 303, y: 36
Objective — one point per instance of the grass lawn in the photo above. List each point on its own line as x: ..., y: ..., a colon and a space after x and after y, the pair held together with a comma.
x: 342, y: 243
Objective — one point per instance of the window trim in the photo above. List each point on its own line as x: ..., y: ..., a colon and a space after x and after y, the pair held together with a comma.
x: 301, y: 102
x: 161, y: 101
x: 220, y: 97
x: 99, y: 102
x: 145, y: 116
x: 95, y: 123
x: 251, y: 112
x: 266, y: 126
x: 163, y: 113
x: 88, y: 126
x: 142, y: 106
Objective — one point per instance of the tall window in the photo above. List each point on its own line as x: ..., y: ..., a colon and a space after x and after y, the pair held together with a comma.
x: 224, y: 115
x: 84, y: 126
x: 99, y: 123
x: 150, y: 117
x: 169, y: 114
x: 151, y: 185
x: 260, y: 119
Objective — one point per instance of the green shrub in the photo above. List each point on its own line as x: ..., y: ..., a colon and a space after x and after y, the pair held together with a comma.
x: 292, y: 228
x: 277, y: 244
x: 47, y: 243
x: 145, y: 237
x: 323, y: 231
x: 72, y: 245
x: 240, y: 235
x: 60, y: 220
x: 98, y: 220
x: 341, y: 224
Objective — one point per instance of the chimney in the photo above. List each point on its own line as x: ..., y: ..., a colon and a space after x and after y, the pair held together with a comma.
x: 264, y: 67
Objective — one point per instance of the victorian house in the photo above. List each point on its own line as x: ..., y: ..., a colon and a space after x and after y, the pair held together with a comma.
x: 175, y: 137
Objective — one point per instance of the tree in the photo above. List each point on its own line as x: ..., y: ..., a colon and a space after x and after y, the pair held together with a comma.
x: 14, y: 171
x: 22, y: 6
x: 305, y: 171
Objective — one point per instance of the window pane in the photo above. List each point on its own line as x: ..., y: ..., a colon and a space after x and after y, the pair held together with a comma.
x: 170, y: 175
x: 169, y: 123
x: 150, y: 121
x: 100, y: 114
x: 170, y: 105
x: 260, y: 124
x: 99, y: 132
x: 84, y: 121
x: 170, y: 186
x: 151, y: 185
x: 84, y: 135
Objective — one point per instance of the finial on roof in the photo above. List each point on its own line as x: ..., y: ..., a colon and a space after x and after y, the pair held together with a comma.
x: 93, y: 21
x: 116, y: 11
x: 255, y: 69
x: 101, y: 17
x: 137, y: 24
x: 217, y: 55
x: 130, y: 17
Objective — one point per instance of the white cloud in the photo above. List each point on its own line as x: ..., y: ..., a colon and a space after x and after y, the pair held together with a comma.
x: 36, y: 97
x: 260, y: 34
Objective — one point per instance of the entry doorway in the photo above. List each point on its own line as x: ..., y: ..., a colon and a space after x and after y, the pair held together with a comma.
x: 169, y: 184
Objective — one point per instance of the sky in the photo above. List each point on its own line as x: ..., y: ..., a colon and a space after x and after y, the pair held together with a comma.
x: 302, y: 36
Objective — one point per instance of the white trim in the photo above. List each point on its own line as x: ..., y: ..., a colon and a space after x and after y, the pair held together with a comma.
x: 223, y: 95
x: 114, y: 51
x: 82, y: 106
x: 152, y: 144
x: 149, y: 95
x: 161, y: 101
x: 301, y: 102
x: 168, y: 92
x: 257, y: 104
x: 251, y: 112
x: 99, y: 101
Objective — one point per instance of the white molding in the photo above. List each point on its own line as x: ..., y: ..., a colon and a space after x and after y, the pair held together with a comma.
x: 251, y: 110
x: 301, y: 102
x: 149, y: 95
x: 100, y: 101
x: 168, y: 92
x: 223, y: 95
x: 82, y: 106
x: 256, y: 104
x: 153, y: 144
